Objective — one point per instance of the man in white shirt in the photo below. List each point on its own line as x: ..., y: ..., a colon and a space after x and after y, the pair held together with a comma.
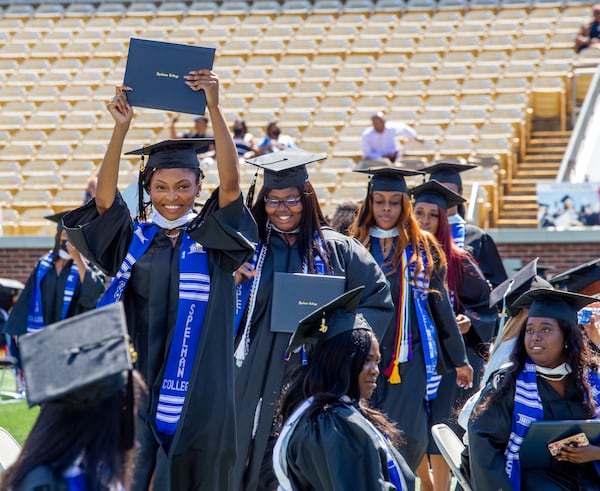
x: 380, y: 141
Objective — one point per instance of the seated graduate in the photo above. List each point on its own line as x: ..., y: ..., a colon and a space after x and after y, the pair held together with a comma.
x: 83, y: 438
x: 331, y: 438
x: 550, y: 379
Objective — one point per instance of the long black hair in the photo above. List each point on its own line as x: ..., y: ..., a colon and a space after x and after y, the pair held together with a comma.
x: 577, y: 356
x: 100, y: 431
x: 311, y: 222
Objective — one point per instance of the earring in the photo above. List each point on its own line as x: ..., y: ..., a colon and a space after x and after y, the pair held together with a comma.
x: 566, y: 345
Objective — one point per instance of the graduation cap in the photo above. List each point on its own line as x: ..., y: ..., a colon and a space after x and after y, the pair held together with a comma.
x: 388, y: 178
x: 555, y: 304
x: 436, y: 193
x: 523, y: 280
x: 333, y: 318
x: 10, y: 286
x: 448, y: 170
x: 579, y: 277
x: 57, y: 218
x: 173, y: 154
x: 79, y: 360
x: 287, y: 168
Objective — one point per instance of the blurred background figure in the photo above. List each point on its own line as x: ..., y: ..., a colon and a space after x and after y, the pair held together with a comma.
x: 243, y: 139
x: 589, y: 32
x: 275, y: 140
x: 90, y: 190
x: 205, y: 154
x: 343, y: 217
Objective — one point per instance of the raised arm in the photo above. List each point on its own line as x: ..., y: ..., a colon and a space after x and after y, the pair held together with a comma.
x: 108, y: 174
x: 226, y: 152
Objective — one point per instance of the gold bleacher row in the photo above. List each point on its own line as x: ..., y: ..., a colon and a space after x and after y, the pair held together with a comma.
x: 468, y: 75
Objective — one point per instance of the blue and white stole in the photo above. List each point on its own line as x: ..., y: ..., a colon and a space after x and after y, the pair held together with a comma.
x: 74, y: 476
x: 194, y: 289
x: 247, y: 291
x: 527, y: 409
x: 35, y: 319
x: 458, y: 229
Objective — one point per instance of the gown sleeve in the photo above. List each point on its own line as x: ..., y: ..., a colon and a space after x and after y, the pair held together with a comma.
x: 101, y: 239
x: 334, y: 452
x: 16, y: 324
x: 92, y: 288
x: 230, y: 230
x: 489, y: 432
x: 484, y: 250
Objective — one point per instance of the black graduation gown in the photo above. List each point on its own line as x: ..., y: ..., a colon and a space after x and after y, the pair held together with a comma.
x: 52, y: 288
x: 202, y: 451
x: 489, y: 433
x: 262, y: 374
x: 337, y: 450
x: 404, y: 403
x: 483, y: 248
x: 474, y: 296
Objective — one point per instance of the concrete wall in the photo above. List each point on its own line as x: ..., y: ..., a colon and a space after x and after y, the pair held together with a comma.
x: 558, y: 250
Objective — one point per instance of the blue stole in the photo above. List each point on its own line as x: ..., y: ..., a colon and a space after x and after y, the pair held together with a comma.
x: 427, y: 328
x: 375, y: 246
x: 458, y: 229
x: 194, y: 290
x: 527, y: 409
x: 35, y: 319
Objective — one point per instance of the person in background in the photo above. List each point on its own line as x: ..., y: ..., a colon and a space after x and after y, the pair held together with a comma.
x: 588, y: 35
x: 423, y: 340
x: 62, y: 284
x: 326, y: 412
x: 173, y: 268
x: 380, y: 141
x: 294, y: 238
x: 551, y: 378
x: 83, y: 437
x: 90, y: 190
x: 206, y: 152
x: 344, y: 216
x: 274, y: 141
x: 243, y: 139
x: 469, y: 294
x: 475, y: 240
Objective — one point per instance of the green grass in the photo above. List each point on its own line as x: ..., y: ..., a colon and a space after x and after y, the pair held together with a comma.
x: 15, y: 415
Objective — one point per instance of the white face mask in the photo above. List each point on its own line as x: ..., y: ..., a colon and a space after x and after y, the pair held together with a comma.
x: 64, y: 254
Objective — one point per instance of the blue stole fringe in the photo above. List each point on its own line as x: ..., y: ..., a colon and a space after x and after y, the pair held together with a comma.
x: 35, y: 319
x: 527, y: 409
x: 194, y: 289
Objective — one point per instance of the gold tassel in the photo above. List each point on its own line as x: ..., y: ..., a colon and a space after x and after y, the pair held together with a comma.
x: 323, y: 327
x: 395, y: 375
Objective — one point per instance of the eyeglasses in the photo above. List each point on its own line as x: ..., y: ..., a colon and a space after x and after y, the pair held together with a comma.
x: 288, y: 202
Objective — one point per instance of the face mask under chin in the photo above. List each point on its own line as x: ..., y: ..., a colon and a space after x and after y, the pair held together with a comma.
x: 63, y: 253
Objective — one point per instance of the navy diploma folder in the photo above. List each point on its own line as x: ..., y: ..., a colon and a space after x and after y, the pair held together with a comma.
x: 155, y: 71
x: 295, y: 295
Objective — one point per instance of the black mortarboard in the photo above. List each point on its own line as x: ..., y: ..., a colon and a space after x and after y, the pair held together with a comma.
x: 79, y: 360
x: 287, y: 168
x: 523, y: 280
x: 388, y: 178
x: 436, y: 193
x: 173, y: 154
x: 12, y: 287
x: 555, y: 304
x: 579, y: 277
x: 331, y: 319
x: 448, y: 170
x: 57, y: 218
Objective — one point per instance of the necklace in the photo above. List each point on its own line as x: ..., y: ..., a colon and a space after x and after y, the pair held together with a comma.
x: 173, y: 236
x: 386, y: 246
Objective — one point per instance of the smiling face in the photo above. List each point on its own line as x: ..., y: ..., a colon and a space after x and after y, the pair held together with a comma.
x: 367, y: 379
x: 544, y: 341
x: 387, y: 207
x: 284, y: 215
x: 428, y: 216
x: 173, y: 191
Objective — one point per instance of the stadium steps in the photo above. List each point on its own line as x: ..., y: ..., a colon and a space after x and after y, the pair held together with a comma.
x: 543, y: 156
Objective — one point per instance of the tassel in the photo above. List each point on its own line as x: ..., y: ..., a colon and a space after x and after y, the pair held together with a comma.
x: 388, y: 371
x: 395, y: 375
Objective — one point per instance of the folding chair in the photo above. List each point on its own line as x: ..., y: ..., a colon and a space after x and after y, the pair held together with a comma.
x: 451, y: 447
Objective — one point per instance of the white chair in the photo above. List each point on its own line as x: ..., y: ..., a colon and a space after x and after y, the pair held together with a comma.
x: 9, y: 449
x: 451, y: 447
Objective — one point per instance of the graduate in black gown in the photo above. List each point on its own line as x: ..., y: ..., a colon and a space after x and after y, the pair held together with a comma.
x: 331, y: 438
x: 423, y: 340
x: 469, y: 293
x: 174, y: 274
x: 474, y: 239
x: 62, y: 284
x: 294, y: 238
x: 551, y: 378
